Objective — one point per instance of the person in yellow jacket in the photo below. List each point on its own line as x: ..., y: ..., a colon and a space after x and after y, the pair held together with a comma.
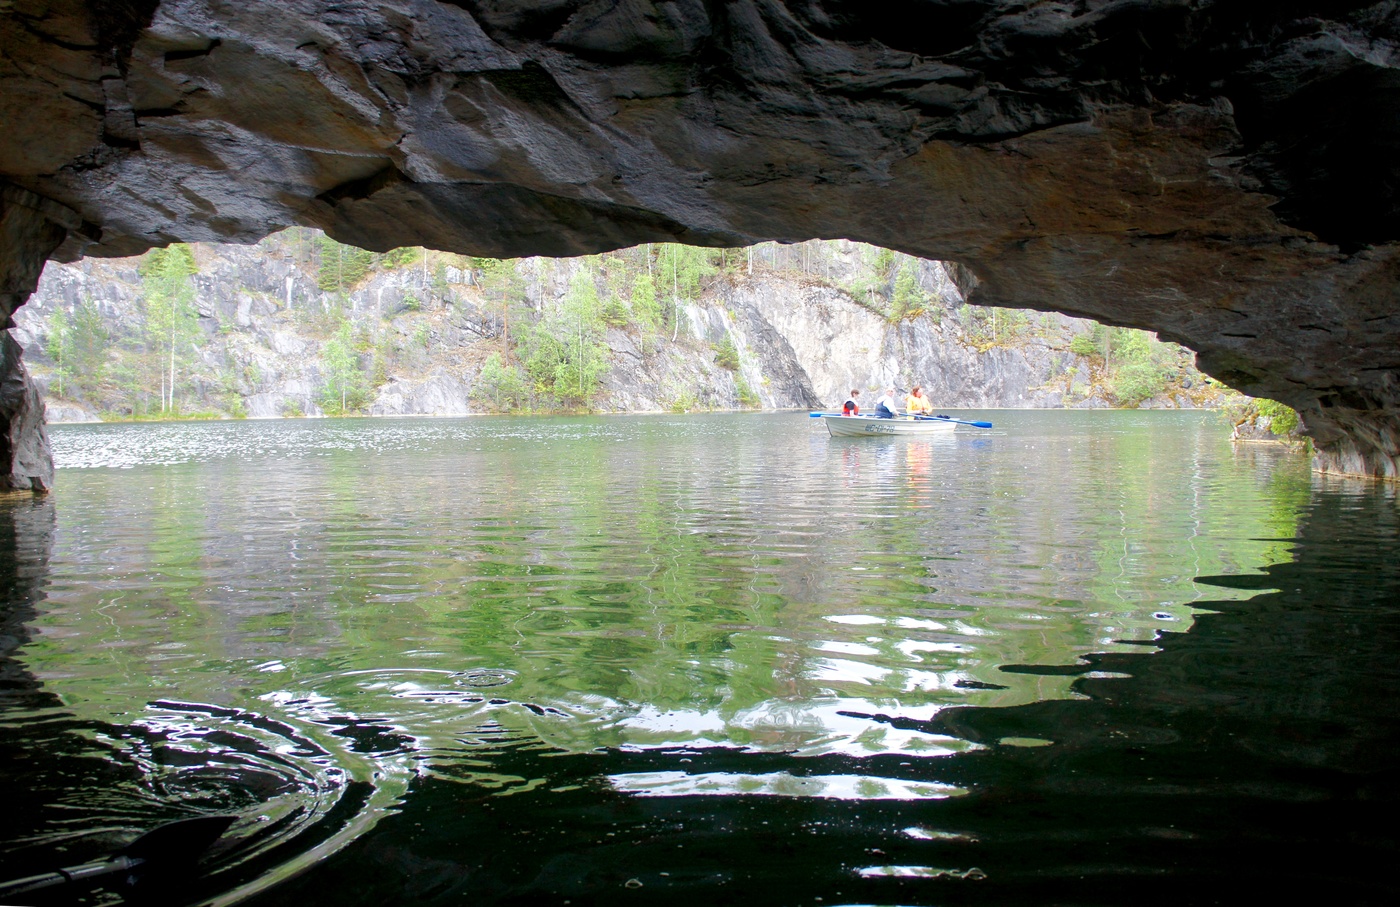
x: 916, y: 404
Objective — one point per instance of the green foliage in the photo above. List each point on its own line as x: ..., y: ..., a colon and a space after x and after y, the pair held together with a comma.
x: 80, y: 347
x: 1139, y: 365
x: 292, y: 409
x: 1086, y: 345
x: 133, y: 391
x: 865, y: 290
x: 549, y: 354
x: 1135, y: 382
x: 1283, y: 420
x: 684, y: 269
x: 988, y: 326
x: 381, y: 354
x: 234, y: 406
x: 499, y: 280
x: 726, y: 356
x: 1130, y: 346
x: 581, y: 302
x: 401, y: 257
x: 88, y: 343
x: 503, y: 287
x: 746, y: 395
x: 685, y: 402
x: 439, y: 279
x: 171, y: 321
x: 342, y: 267
x: 565, y: 354
x: 908, y: 300
x: 1008, y: 324
x: 172, y: 260
x: 975, y: 322
x: 646, y: 310
x: 615, y: 311
x: 344, y: 390
x: 500, y: 386
x: 57, y: 346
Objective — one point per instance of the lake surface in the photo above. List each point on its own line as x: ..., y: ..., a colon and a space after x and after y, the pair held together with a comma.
x: 1090, y: 658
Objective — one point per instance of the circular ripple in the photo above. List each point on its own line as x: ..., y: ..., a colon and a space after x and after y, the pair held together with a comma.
x: 484, y: 677
x: 297, y: 797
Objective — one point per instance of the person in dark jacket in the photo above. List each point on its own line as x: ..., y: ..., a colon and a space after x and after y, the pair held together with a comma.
x: 888, y: 407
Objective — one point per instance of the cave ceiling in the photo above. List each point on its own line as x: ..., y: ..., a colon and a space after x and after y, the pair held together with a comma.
x: 1224, y: 173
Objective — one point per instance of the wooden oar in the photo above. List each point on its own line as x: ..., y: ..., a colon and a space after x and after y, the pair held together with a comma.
x: 173, y: 848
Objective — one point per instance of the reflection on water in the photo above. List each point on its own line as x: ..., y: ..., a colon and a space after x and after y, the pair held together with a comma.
x: 537, y: 658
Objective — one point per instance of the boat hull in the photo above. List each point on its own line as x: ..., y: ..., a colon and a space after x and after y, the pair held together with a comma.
x: 866, y: 426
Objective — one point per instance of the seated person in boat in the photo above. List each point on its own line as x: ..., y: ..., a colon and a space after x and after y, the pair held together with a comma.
x: 851, y: 407
x: 916, y: 404
x: 888, y: 407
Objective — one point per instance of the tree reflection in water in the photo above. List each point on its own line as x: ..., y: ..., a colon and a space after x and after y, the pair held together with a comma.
x: 896, y: 678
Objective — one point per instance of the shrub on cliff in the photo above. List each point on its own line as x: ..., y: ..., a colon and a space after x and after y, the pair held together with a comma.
x: 1137, y: 381
x: 1283, y: 420
x: 500, y: 387
x: 726, y: 356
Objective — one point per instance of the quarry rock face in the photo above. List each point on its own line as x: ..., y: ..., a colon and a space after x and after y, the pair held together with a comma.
x: 799, y: 341
x: 1222, y: 173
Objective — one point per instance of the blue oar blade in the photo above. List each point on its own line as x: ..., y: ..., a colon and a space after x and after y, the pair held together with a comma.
x: 958, y: 421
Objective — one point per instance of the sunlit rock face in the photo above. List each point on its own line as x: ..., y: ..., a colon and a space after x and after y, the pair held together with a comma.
x: 1222, y: 173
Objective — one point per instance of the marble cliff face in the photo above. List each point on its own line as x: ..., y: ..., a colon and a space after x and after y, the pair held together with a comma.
x: 1222, y: 173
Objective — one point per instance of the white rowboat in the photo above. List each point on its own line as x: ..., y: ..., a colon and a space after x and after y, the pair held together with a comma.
x: 864, y: 426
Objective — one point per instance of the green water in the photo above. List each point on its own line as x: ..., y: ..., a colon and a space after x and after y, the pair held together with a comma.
x: 707, y: 658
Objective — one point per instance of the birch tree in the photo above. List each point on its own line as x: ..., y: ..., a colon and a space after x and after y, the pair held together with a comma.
x: 344, y: 390
x: 171, y: 320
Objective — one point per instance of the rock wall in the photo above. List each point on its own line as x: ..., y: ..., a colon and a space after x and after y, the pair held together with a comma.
x: 841, y: 346
x: 801, y: 342
x: 1222, y: 173
x: 30, y: 230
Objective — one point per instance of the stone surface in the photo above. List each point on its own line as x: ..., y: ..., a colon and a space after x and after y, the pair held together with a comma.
x: 801, y: 341
x: 24, y: 446
x: 30, y: 229
x: 1222, y: 173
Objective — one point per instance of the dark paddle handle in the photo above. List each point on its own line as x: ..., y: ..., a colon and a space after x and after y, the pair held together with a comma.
x: 172, y: 847
x: 79, y: 874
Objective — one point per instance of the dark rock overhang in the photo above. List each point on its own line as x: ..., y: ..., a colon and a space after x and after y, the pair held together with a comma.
x: 1222, y: 173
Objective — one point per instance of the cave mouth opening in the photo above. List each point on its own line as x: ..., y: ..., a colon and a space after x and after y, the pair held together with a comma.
x: 302, y: 325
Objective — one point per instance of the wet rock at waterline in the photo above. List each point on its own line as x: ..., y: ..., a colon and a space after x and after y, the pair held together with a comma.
x: 1222, y: 175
